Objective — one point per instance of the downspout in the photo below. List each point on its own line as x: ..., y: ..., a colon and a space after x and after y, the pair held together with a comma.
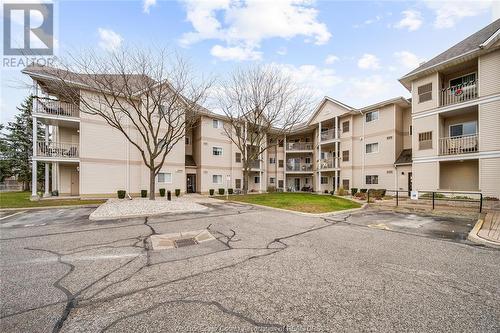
x: 363, y: 150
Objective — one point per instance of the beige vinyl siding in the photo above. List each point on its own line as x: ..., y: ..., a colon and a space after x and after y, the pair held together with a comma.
x: 489, y: 122
x: 421, y: 125
x: 434, y: 102
x: 426, y: 176
x: 459, y: 175
x: 489, y: 183
x: 489, y: 71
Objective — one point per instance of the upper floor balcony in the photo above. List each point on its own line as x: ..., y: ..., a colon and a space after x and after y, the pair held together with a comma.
x: 55, y: 108
x: 55, y: 150
x: 458, y: 145
x: 459, y: 93
x: 329, y: 134
x: 299, y: 167
x: 328, y: 163
x: 299, y: 146
x: 255, y: 164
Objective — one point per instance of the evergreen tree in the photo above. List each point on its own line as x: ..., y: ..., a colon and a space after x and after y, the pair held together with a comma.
x: 5, y: 164
x: 19, y: 144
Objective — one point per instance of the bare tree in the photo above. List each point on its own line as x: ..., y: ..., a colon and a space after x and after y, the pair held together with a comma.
x: 261, y: 105
x: 152, y: 93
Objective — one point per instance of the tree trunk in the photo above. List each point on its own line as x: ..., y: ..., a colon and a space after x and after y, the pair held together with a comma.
x: 245, y: 181
x: 152, y: 184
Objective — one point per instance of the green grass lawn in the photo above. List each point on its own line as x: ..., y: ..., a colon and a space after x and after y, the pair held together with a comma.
x: 22, y: 200
x: 300, y: 202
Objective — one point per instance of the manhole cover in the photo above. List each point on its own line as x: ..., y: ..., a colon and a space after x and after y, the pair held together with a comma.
x: 185, y: 242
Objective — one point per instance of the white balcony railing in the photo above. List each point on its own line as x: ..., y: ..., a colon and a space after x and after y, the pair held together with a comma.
x: 459, y: 93
x: 299, y: 146
x: 57, y: 149
x: 328, y: 163
x: 300, y: 167
x: 56, y: 108
x: 328, y: 135
x: 458, y: 145
x: 254, y: 164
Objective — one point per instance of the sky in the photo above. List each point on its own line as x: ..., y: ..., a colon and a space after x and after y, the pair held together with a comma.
x: 353, y: 51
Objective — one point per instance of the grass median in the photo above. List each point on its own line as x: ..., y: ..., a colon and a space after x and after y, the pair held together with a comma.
x: 22, y: 200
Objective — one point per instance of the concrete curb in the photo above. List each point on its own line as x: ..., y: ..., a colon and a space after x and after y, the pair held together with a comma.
x: 300, y: 213
x: 134, y: 216
x: 474, y: 237
x: 49, y: 207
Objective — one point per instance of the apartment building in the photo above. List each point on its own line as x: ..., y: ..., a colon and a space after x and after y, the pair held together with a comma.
x: 455, y: 114
x: 443, y: 138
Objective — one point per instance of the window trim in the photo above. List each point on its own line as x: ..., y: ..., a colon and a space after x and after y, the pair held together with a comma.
x: 236, y: 158
x: 272, y: 180
x: 327, y: 180
x: 272, y: 160
x: 462, y: 123
x: 255, y: 178
x: 219, y: 123
x: 454, y: 78
x: 420, y: 94
x: 281, y: 163
x: 236, y: 183
x: 221, y: 179
x: 348, y: 155
x: 348, y: 126
x: 164, y: 182
x: 370, y: 112
x: 371, y: 182
x: 221, y: 151
x: 372, y: 152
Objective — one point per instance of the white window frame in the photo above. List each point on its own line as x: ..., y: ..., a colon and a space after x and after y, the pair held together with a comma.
x: 371, y: 180
x: 256, y: 180
x: 221, y: 151
x: 458, y: 77
x: 164, y: 182
x: 327, y: 180
x: 463, y: 123
x: 372, y: 152
x: 272, y: 180
x: 372, y: 120
x: 272, y: 160
x: 218, y: 183
x: 218, y: 122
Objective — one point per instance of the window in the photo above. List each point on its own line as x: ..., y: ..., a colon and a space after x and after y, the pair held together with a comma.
x: 345, y: 184
x: 280, y: 183
x: 463, y: 80
x: 345, y: 126
x: 164, y: 177
x: 371, y: 116
x: 272, y: 160
x: 425, y: 140
x: 238, y: 157
x: 217, y: 151
x: 425, y: 93
x: 216, y: 123
x: 271, y: 180
x: 306, y: 180
x: 272, y: 141
x: 238, y: 131
x: 324, y: 180
x: 411, y: 130
x: 217, y: 179
x: 280, y: 143
x: 372, y: 179
x: 256, y: 179
x: 345, y: 155
x: 237, y: 183
x: 464, y: 129
x: 372, y: 148
x: 308, y: 160
x: 280, y: 163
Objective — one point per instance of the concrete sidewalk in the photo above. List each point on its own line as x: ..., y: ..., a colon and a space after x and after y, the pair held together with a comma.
x: 487, y: 230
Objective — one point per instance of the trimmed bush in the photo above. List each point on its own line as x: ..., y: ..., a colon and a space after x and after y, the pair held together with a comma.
x: 55, y: 193
x: 341, y: 192
x: 162, y: 192
x: 229, y: 191
x: 363, y: 190
x: 326, y: 191
x: 177, y: 192
x: 211, y: 191
x: 221, y: 191
x: 144, y: 193
x: 271, y: 189
x: 360, y: 195
x: 354, y: 190
x: 332, y: 192
x: 121, y: 194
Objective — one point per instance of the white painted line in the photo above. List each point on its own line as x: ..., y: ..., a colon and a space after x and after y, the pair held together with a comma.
x: 6, y: 217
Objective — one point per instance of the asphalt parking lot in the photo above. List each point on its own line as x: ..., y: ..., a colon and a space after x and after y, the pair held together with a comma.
x: 266, y: 271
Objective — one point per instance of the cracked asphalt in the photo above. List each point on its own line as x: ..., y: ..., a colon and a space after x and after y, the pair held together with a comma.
x: 267, y: 271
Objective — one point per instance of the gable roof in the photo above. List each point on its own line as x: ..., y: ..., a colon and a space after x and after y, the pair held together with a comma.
x: 404, y: 158
x: 323, y: 101
x: 472, y: 44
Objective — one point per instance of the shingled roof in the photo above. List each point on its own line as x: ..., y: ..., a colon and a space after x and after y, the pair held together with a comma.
x: 404, y: 157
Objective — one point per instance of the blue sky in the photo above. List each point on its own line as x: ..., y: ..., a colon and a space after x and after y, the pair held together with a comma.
x: 353, y: 51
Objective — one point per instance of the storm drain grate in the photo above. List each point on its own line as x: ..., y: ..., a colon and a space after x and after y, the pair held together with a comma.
x: 185, y: 242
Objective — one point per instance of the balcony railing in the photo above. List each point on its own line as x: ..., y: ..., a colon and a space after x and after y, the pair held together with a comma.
x: 327, y: 163
x: 56, y: 108
x: 57, y: 149
x: 299, y: 146
x: 458, y: 145
x: 459, y: 93
x: 328, y: 135
x: 254, y: 164
x: 304, y: 167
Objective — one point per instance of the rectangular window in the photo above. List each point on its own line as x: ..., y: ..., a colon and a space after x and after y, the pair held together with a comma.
x: 280, y: 143
x: 372, y: 148
x: 271, y: 180
x: 372, y: 179
x: 256, y: 179
x: 238, y: 157
x: 216, y: 123
x: 237, y: 183
x: 308, y: 160
x: 165, y: 177
x: 217, y: 151
x: 345, y: 126
x: 425, y: 140
x: 188, y: 141
x: 324, y: 180
x: 280, y: 183
x: 307, y: 181
x: 345, y: 184
x: 411, y: 130
x: 345, y: 155
x: 464, y: 129
x: 272, y: 160
x: 371, y: 116
x: 217, y: 179
x: 463, y: 80
x: 280, y: 163
x: 425, y: 93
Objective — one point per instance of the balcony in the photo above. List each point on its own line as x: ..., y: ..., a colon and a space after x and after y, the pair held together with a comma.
x: 459, y: 93
x: 327, y: 163
x: 56, y: 108
x: 328, y: 135
x: 255, y: 164
x: 57, y: 150
x: 299, y: 146
x: 299, y: 167
x: 458, y: 145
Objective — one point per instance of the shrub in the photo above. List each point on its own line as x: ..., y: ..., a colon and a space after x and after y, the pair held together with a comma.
x: 121, y: 194
x: 229, y: 191
x: 326, y: 191
x: 55, y: 193
x: 332, y: 193
x: 144, y: 193
x: 363, y: 190
x: 490, y: 199
x: 354, y: 190
x: 162, y: 192
x: 211, y: 191
x: 360, y: 195
x: 341, y: 191
x: 221, y: 191
x: 377, y: 193
x: 271, y: 189
x: 177, y: 192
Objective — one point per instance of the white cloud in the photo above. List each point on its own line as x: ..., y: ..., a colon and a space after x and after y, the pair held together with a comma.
x: 235, y: 53
x: 368, y: 61
x: 371, y: 88
x: 450, y: 13
x: 330, y: 59
x: 109, y: 40
x: 282, y: 51
x: 412, y: 20
x: 369, y: 21
x: 407, y: 59
x: 146, y: 4
x: 245, y: 24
